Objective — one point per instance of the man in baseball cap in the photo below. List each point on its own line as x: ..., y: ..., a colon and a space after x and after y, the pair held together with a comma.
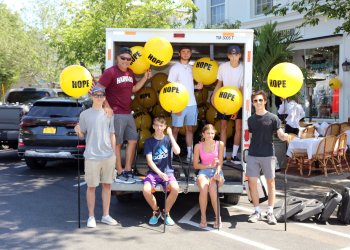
x: 234, y: 49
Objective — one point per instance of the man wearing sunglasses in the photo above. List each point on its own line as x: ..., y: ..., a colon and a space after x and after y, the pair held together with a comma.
x: 262, y: 125
x: 231, y: 74
x: 120, y: 84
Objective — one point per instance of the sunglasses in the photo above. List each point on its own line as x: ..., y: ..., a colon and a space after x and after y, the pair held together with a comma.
x: 258, y: 100
x: 98, y: 96
x: 125, y: 58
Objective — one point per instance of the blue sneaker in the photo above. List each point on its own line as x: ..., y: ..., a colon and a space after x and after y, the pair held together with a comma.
x: 154, y: 219
x: 169, y: 221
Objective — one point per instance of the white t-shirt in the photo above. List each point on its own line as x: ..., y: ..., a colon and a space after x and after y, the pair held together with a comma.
x: 295, y: 114
x: 231, y: 76
x: 283, y: 108
x: 182, y: 73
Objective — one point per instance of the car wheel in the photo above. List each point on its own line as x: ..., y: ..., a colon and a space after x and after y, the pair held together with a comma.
x: 232, y: 199
x: 34, y: 163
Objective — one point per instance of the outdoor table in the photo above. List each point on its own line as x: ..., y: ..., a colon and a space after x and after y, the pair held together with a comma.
x: 308, y: 145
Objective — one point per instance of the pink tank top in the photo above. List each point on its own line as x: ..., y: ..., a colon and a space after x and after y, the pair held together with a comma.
x: 208, y: 157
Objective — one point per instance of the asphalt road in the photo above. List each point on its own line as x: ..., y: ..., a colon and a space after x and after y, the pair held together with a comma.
x: 38, y: 210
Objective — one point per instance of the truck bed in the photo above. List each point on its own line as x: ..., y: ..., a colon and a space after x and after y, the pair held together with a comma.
x: 233, y: 178
x: 9, y: 124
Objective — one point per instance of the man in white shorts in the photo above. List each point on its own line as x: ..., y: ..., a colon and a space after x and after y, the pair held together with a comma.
x: 98, y: 129
x: 181, y: 72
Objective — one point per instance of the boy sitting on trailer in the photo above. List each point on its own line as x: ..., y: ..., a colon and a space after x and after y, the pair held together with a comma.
x: 157, y: 150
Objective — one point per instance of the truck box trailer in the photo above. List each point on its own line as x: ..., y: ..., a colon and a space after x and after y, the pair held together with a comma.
x: 211, y: 43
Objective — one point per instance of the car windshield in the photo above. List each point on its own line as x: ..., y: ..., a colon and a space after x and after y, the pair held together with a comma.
x: 63, y: 110
x: 26, y: 96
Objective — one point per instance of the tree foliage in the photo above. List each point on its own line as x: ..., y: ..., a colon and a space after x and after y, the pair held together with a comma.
x: 14, y: 49
x: 81, y: 37
x: 270, y: 48
x: 313, y: 10
x: 25, y: 55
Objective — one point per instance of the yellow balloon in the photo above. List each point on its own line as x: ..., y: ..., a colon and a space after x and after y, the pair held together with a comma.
x: 182, y: 130
x: 142, y: 120
x: 138, y: 63
x: 228, y: 100
x: 205, y: 70
x: 75, y: 81
x: 174, y: 97
x: 211, y: 114
x: 335, y: 83
x: 229, y: 131
x: 159, y: 111
x: 146, y: 97
x: 144, y: 134
x: 158, y: 51
x: 169, y: 121
x: 135, y: 106
x: 201, y: 95
x: 158, y: 81
x: 285, y: 79
x: 202, y: 109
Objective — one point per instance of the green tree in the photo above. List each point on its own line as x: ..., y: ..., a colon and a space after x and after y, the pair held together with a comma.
x: 314, y: 10
x: 81, y: 37
x: 270, y: 48
x: 14, y: 49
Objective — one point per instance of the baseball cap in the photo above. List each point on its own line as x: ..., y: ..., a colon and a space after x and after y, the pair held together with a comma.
x: 233, y: 49
x: 98, y: 89
x: 124, y: 50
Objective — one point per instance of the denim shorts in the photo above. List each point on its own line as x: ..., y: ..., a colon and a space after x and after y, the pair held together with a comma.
x: 188, y: 117
x: 209, y: 173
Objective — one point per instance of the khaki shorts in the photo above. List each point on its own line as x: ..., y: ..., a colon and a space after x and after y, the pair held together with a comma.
x: 97, y: 171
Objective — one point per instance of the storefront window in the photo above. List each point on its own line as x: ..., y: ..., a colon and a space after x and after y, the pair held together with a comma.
x: 322, y: 64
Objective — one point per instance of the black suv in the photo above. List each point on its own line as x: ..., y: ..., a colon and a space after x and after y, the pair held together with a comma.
x: 17, y: 103
x: 47, y: 131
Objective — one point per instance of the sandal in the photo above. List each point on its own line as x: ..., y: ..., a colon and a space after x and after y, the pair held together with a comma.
x: 203, y: 224
x: 216, y: 226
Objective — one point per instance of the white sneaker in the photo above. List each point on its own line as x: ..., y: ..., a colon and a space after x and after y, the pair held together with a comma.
x: 91, y: 222
x: 109, y: 220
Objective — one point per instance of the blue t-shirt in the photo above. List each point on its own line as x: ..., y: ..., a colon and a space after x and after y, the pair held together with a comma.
x: 160, y: 151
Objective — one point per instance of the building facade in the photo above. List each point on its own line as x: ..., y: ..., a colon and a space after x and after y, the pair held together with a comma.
x: 319, y: 50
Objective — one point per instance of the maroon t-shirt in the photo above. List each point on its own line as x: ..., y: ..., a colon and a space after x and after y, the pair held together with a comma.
x: 118, y: 86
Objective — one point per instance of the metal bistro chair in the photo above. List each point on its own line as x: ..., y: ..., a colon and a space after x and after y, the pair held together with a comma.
x: 340, y: 151
x: 324, y: 155
x: 332, y: 129
x: 309, y: 132
x: 297, y: 157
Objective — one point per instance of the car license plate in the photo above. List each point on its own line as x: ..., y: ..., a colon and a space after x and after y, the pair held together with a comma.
x: 49, y: 130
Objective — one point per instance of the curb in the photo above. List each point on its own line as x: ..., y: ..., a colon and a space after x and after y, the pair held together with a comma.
x: 303, y: 180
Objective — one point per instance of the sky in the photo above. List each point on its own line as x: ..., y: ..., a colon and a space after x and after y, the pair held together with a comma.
x: 15, y: 5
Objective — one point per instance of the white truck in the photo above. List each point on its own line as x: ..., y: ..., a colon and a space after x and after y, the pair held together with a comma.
x: 211, y: 43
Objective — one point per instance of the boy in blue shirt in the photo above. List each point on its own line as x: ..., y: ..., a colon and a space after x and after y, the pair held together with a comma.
x: 157, y: 150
